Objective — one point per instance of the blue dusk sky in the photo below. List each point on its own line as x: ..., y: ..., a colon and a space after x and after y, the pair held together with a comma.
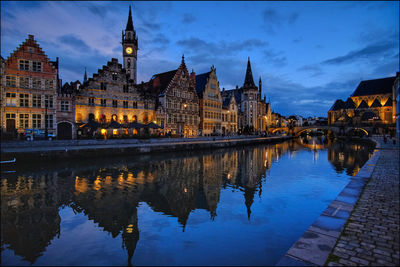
x: 308, y: 54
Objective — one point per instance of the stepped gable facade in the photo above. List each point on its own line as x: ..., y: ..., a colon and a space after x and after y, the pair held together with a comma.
x: 110, y: 95
x: 178, y: 100
x: 372, y: 96
x: 29, y: 91
x: 207, y: 88
x: 230, y: 114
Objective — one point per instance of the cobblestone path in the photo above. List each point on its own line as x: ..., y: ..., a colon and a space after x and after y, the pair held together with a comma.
x: 371, y: 236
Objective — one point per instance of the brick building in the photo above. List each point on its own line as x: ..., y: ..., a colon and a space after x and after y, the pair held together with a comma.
x: 29, y: 91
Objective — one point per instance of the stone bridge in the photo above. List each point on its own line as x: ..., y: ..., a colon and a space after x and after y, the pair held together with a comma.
x: 338, y: 130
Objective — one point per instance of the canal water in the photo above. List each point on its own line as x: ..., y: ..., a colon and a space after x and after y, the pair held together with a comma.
x: 237, y: 206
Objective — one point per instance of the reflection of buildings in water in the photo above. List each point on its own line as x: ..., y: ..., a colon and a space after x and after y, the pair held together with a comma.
x: 29, y: 215
x: 109, y: 195
x: 349, y: 157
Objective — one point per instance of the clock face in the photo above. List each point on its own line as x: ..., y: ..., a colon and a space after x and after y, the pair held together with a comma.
x: 128, y: 50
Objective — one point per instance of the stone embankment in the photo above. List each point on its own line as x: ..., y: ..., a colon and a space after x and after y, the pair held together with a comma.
x: 361, y: 226
x: 33, y: 150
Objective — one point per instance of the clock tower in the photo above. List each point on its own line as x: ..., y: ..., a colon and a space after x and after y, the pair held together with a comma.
x: 130, y: 48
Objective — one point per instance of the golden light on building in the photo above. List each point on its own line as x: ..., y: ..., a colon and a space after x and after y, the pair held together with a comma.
x: 103, y: 131
x: 115, y: 131
x: 129, y: 229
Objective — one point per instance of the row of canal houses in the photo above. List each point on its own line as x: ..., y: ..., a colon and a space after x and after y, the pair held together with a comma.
x: 112, y: 102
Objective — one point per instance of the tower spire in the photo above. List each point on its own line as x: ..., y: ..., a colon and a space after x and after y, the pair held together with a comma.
x: 248, y: 80
x: 259, y: 87
x: 129, y: 24
x: 85, y: 76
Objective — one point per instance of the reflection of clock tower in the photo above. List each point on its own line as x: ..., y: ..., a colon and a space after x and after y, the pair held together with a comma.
x: 130, y: 47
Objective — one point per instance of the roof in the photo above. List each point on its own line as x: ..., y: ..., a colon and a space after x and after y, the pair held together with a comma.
x: 201, y: 81
x: 376, y: 104
x: 339, y: 104
x: 363, y: 104
x: 237, y: 94
x: 161, y: 81
x: 226, y: 100
x: 248, y: 80
x: 129, y: 24
x: 389, y: 102
x: 375, y: 87
x: 349, y: 104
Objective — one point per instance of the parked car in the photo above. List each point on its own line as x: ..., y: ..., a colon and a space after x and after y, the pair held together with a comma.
x: 32, y: 134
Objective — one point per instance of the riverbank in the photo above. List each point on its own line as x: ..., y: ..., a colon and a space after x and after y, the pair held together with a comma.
x: 64, y: 149
x: 361, y: 226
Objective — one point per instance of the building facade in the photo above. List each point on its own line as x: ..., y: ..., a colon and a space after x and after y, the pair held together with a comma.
x: 370, y: 103
x: 229, y: 114
x: 210, y: 103
x: 111, y: 96
x: 178, y: 101
x: 29, y: 91
x: 253, y: 111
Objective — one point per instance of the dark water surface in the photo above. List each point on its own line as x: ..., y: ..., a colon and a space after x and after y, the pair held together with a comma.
x: 238, y: 206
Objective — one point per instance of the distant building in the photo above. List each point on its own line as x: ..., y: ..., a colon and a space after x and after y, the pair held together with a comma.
x: 207, y: 88
x: 29, y: 91
x: 371, y: 103
x: 178, y: 101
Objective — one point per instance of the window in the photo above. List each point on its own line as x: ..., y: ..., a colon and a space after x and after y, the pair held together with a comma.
x: 129, y: 63
x: 23, y: 100
x: 37, y: 83
x: 24, y: 65
x: 31, y: 49
x: 64, y: 106
x: 11, y: 99
x: 36, y: 101
x: 36, y: 120
x: 103, y: 86
x: 48, y: 101
x: 146, y: 105
x: 10, y: 116
x: 115, y: 103
x: 11, y: 81
x: 24, y: 121
x: 103, y: 102
x: 49, y: 120
x: 114, y: 76
x: 24, y: 82
x: 36, y: 66
x: 126, y: 88
x: 134, y: 104
x: 125, y: 104
x: 49, y: 84
x: 91, y: 101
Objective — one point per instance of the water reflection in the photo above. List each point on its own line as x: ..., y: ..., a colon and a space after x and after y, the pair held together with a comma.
x: 109, y: 192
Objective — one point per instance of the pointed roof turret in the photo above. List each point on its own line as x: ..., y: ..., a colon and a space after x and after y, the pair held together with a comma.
x: 85, y: 76
x: 129, y: 24
x: 248, y: 80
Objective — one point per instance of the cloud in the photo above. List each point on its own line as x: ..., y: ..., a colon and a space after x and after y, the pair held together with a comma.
x: 222, y: 47
x: 368, y: 52
x: 188, y: 18
x: 74, y: 42
x: 273, y: 19
x: 277, y: 59
x: 314, y: 69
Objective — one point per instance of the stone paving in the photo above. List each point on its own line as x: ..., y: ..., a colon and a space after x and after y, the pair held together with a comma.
x: 371, y: 236
x: 361, y: 226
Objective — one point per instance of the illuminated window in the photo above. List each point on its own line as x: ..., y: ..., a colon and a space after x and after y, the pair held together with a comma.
x: 11, y: 99
x: 115, y: 131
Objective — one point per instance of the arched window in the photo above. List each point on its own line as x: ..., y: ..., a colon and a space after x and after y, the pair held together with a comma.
x: 114, y: 117
x: 102, y: 118
x: 91, y: 117
x: 129, y: 63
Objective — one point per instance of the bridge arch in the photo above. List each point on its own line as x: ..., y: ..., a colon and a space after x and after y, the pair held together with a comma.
x: 357, y: 128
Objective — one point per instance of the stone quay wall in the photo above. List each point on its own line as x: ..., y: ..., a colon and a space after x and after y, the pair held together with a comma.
x: 59, y: 149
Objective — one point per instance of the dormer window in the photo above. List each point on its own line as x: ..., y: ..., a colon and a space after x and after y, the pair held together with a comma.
x: 114, y: 76
x: 31, y: 49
